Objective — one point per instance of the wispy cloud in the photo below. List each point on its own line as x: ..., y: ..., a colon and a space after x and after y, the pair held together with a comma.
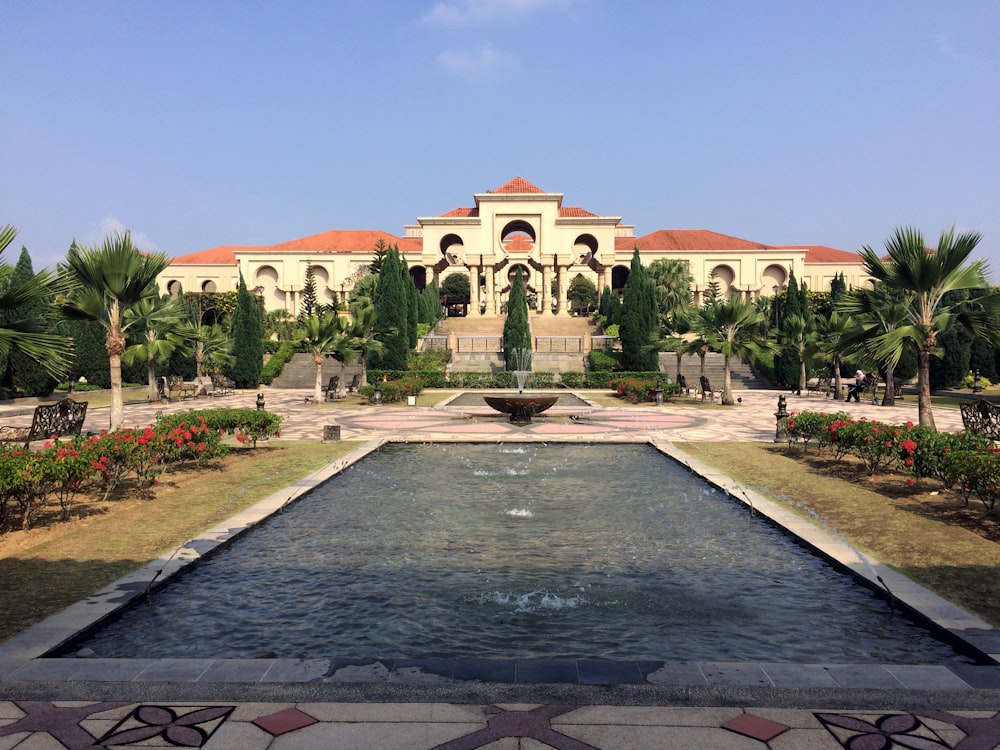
x: 946, y: 48
x: 111, y: 225
x: 475, y: 63
x: 478, y: 12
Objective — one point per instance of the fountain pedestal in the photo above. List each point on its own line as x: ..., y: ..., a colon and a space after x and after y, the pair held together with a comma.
x: 519, y: 406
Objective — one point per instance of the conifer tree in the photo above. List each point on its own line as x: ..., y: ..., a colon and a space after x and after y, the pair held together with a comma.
x: 247, y: 331
x: 516, y: 329
x: 412, y: 303
x: 638, y: 320
x: 392, y: 313
x: 23, y: 373
x: 786, y: 362
x: 310, y: 305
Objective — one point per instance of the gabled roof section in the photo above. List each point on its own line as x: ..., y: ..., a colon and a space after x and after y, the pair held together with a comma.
x: 569, y: 212
x: 687, y: 239
x: 824, y: 254
x: 224, y: 255
x: 517, y: 186
x: 336, y: 241
x: 347, y: 241
x: 461, y: 213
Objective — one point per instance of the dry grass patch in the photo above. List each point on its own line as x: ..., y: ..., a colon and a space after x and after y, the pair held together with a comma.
x: 923, y: 531
x: 50, y: 567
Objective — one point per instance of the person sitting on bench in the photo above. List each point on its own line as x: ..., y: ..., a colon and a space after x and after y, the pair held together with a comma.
x: 859, y: 385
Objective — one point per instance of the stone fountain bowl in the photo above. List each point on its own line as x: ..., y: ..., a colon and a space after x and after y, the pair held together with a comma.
x: 519, y: 406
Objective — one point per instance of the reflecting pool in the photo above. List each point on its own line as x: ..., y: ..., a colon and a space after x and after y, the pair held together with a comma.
x: 518, y: 551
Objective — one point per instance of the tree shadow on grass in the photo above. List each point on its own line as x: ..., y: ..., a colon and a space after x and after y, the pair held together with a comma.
x: 33, y: 588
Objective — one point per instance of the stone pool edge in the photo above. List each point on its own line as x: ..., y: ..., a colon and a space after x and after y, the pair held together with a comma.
x: 22, y: 660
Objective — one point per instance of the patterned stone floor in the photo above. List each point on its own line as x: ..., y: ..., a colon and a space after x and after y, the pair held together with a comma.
x: 149, y: 718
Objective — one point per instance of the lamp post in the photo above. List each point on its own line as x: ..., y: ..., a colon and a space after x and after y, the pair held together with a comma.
x: 977, y: 383
x: 377, y: 396
x: 781, y: 423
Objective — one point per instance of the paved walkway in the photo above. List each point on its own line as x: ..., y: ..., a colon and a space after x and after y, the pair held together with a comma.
x: 162, y: 704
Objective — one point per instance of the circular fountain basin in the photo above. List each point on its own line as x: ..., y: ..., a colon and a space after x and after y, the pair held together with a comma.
x: 521, y: 407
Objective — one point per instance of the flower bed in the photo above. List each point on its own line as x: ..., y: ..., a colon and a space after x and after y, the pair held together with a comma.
x: 965, y: 462
x: 32, y: 481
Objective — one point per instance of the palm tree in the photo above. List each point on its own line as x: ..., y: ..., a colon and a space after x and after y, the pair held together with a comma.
x: 830, y: 332
x: 106, y: 280
x: 28, y: 336
x: 732, y: 327
x: 799, y: 334
x: 326, y: 336
x: 672, y: 280
x: 362, y: 333
x: 925, y: 277
x: 158, y: 327
x: 212, y: 347
x: 874, y: 312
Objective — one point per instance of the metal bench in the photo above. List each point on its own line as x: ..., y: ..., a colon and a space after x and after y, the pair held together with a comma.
x: 221, y: 385
x: 62, y: 418
x: 981, y: 416
x: 706, y: 390
x: 822, y: 385
x: 177, y: 388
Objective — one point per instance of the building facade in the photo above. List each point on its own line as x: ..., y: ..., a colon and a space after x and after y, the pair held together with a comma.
x: 516, y: 228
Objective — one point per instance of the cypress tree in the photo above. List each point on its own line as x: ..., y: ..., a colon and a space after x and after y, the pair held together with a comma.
x: 793, y: 300
x: 247, y: 331
x: 638, y: 320
x: 610, y: 307
x: 412, y: 303
x: 310, y: 305
x: 391, y: 314
x: 23, y: 373
x: 516, y: 329
x: 786, y: 363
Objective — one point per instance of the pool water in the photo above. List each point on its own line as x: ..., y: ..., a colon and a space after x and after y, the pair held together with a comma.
x: 518, y: 551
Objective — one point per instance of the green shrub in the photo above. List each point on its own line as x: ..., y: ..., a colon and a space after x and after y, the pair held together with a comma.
x: 283, y: 352
x: 394, y: 390
x: 572, y: 379
x: 604, y: 361
x: 811, y: 426
x: 976, y: 472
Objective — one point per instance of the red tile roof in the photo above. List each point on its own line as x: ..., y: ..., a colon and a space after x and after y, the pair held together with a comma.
x: 517, y: 186
x: 519, y: 244
x: 462, y: 212
x: 574, y: 211
x: 348, y: 241
x: 824, y: 254
x: 687, y: 239
x: 336, y: 241
x: 222, y: 255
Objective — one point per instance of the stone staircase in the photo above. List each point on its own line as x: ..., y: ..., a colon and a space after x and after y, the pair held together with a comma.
x: 300, y: 372
x: 550, y: 356
x: 743, y: 376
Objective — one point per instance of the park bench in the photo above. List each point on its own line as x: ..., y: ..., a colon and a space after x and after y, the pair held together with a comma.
x: 706, y: 389
x: 821, y: 385
x: 332, y: 389
x: 221, y: 385
x: 177, y: 388
x: 355, y: 384
x: 62, y: 418
x: 982, y: 417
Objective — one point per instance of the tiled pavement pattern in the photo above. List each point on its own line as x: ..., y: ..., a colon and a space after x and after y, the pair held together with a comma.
x: 161, y: 713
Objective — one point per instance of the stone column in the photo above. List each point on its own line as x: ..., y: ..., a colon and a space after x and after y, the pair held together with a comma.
x: 491, y: 302
x: 546, y: 290
x: 564, y: 291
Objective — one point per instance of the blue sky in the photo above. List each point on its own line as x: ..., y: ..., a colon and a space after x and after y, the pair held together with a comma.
x: 196, y: 124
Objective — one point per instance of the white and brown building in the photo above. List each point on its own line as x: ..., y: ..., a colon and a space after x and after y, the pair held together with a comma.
x: 516, y: 227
